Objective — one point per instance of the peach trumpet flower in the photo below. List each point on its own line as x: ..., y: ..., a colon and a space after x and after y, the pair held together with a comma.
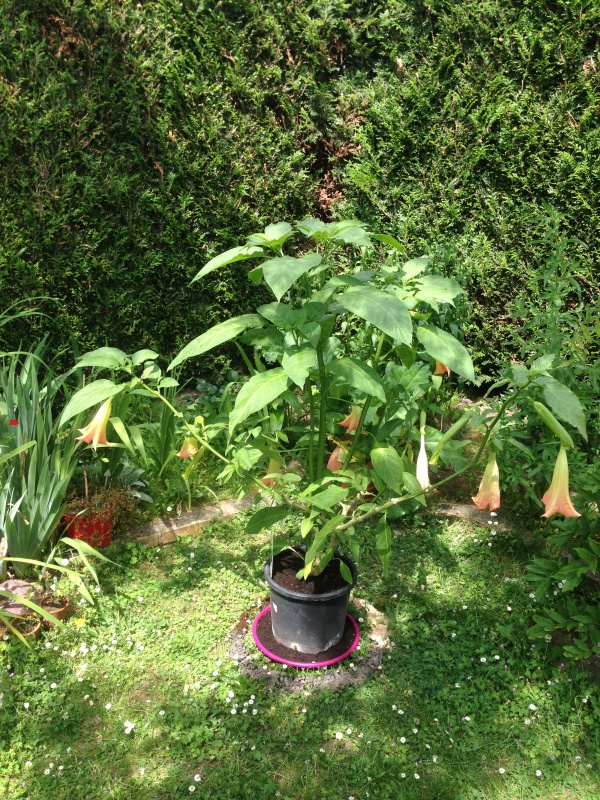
x: 488, y: 495
x: 189, y: 448
x: 95, y: 432
x: 352, y: 420
x: 422, y: 466
x: 274, y: 466
x: 335, y: 463
x: 557, y: 499
x: 441, y: 369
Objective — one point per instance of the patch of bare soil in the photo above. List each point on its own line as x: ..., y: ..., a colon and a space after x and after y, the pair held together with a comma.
x: 354, y: 671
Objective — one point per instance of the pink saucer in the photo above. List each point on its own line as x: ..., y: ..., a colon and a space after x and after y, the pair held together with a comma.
x: 303, y: 664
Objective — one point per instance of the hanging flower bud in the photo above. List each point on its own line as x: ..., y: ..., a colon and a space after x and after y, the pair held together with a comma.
x: 422, y: 466
x: 351, y: 421
x: 189, y: 448
x: 334, y: 464
x: 95, y: 432
x: 274, y: 466
x: 489, y: 488
x: 557, y: 499
x: 441, y: 369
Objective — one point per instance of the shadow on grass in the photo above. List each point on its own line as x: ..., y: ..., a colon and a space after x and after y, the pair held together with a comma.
x: 441, y: 693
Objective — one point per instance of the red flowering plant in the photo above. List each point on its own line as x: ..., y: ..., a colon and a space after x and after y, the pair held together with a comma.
x: 345, y: 371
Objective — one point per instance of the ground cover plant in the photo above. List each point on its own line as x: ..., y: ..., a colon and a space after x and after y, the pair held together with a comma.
x: 139, y: 695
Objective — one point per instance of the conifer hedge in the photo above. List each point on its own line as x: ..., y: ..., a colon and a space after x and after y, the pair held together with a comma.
x: 138, y: 139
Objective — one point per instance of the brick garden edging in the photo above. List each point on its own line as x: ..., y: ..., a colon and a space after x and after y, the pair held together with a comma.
x: 165, y: 531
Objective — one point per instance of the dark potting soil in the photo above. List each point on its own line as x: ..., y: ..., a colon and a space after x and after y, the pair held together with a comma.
x: 264, y: 631
x: 287, y: 564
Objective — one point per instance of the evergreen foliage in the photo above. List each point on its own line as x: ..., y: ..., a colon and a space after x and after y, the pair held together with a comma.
x: 137, y: 140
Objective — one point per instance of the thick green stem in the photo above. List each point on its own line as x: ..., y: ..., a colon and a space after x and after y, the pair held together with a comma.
x: 363, y: 413
x: 311, y: 435
x: 322, y: 414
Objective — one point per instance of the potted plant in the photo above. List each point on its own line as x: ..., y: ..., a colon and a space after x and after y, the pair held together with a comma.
x: 23, y: 600
x: 57, y: 606
x: 91, y: 518
x: 105, y: 485
x: 346, y: 373
x: 28, y: 627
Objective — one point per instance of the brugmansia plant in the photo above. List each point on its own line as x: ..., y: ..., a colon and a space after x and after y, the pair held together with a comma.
x: 346, y: 365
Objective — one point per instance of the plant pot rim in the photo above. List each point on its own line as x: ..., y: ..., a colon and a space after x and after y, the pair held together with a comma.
x: 86, y: 513
x: 313, y: 598
x: 51, y: 596
x: 30, y: 618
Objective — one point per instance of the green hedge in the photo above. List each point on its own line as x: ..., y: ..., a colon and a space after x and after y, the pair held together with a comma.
x: 139, y: 139
x: 476, y: 114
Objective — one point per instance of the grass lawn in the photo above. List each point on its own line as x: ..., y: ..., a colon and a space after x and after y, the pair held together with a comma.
x: 139, y: 697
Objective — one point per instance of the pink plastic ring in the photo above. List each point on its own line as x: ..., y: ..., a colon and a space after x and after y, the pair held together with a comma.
x: 303, y: 664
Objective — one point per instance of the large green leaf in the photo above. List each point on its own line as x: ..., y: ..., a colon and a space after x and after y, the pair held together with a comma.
x: 143, y: 355
x: 298, y: 361
x: 313, y: 332
x: 412, y: 485
x: 385, y: 312
x: 388, y: 465
x: 274, y: 236
x: 264, y: 518
x: 442, y: 346
x: 108, y: 357
x: 260, y: 390
x: 354, y: 235
x: 436, y: 289
x: 91, y: 395
x: 322, y: 536
x: 389, y: 240
x: 359, y: 375
x: 563, y: 402
x: 216, y: 335
x: 229, y: 257
x: 415, y: 266
x: 520, y: 374
x: 329, y: 497
x: 310, y: 226
x: 282, y: 315
x: 281, y: 273
x: 342, y: 280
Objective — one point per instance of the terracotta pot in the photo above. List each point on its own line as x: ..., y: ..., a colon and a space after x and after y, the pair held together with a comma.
x: 29, y: 626
x: 95, y: 529
x: 58, y: 613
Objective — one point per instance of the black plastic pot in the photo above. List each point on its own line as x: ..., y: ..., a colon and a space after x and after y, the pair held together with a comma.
x: 309, y: 623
